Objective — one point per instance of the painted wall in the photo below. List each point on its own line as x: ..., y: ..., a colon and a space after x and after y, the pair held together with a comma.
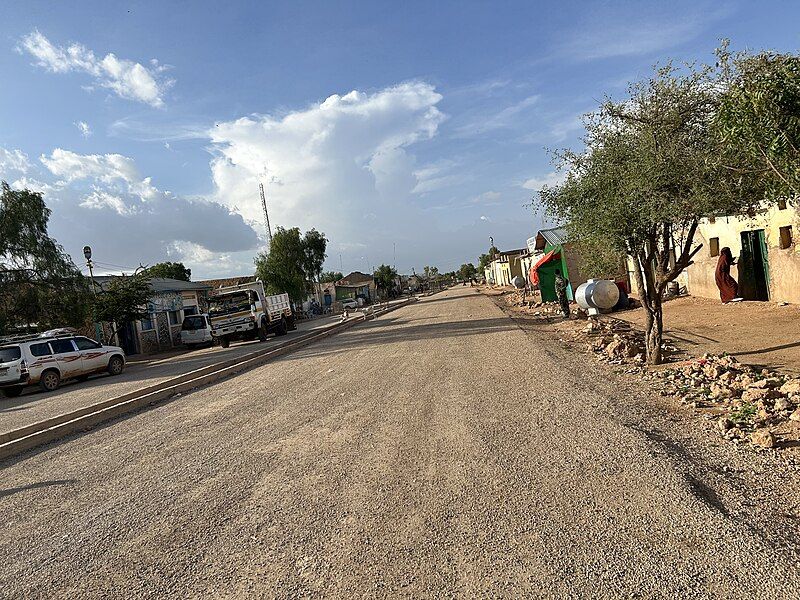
x: 784, y: 264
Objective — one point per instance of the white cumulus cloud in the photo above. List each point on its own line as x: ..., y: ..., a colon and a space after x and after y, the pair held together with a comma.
x: 13, y: 161
x: 103, y: 200
x: 126, y: 78
x: 537, y: 183
x: 342, y: 165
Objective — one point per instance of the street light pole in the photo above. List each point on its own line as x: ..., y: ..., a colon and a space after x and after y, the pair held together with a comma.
x: 87, y: 252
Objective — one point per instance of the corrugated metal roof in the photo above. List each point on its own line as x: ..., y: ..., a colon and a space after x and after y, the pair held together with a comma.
x: 554, y: 236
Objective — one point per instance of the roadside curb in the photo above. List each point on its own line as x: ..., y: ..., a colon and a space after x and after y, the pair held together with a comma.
x: 24, y: 438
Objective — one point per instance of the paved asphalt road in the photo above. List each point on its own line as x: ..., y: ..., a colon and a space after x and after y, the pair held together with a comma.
x: 142, y: 370
x: 441, y: 450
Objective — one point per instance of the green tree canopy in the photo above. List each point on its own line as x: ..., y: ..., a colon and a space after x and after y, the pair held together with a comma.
x: 483, y: 261
x: 123, y: 299
x: 292, y: 263
x: 759, y: 119
x: 651, y: 169
x: 40, y: 286
x: 385, y: 279
x: 330, y: 276
x: 467, y: 272
x: 169, y: 270
x: 315, y: 245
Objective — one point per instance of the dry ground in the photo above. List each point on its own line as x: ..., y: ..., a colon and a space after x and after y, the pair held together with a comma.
x: 444, y: 450
x: 757, y: 333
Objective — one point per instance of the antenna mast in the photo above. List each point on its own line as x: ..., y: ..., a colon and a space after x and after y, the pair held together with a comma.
x: 266, y: 214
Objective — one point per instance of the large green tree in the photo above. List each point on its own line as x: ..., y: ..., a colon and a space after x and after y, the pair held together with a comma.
x: 330, y: 276
x: 467, y: 272
x: 123, y: 299
x: 650, y: 170
x: 40, y: 286
x: 293, y: 262
x: 386, y: 280
x: 759, y: 119
x: 169, y: 270
x: 315, y: 245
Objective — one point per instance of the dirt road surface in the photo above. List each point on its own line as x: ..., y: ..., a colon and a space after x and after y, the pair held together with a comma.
x: 444, y: 450
x: 142, y: 370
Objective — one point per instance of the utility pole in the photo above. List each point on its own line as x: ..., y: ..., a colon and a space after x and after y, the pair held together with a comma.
x: 87, y: 253
x: 266, y: 214
x: 394, y: 256
x: 341, y: 268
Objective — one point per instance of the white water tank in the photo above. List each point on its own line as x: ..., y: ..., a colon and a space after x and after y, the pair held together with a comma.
x: 518, y: 282
x: 597, y: 295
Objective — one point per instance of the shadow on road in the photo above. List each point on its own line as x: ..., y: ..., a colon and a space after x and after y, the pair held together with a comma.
x: 396, y: 329
x: 35, y: 486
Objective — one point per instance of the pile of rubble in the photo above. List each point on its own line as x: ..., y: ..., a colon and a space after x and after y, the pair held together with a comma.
x: 747, y: 402
x: 614, y: 342
x: 529, y: 305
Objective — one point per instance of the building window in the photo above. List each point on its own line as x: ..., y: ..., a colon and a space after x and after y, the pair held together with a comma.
x: 147, y: 323
x: 782, y: 204
x: 713, y: 246
x: 786, y: 236
x: 174, y: 317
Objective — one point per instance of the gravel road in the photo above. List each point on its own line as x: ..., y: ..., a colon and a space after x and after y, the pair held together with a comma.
x: 142, y: 370
x: 442, y: 450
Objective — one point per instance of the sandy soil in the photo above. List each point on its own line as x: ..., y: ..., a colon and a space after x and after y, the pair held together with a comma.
x: 442, y: 451
x: 757, y: 333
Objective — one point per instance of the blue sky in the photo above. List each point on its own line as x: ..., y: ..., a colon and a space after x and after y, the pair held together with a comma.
x: 410, y: 129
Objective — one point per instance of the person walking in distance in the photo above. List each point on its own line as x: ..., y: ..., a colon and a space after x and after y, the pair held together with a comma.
x: 561, y: 284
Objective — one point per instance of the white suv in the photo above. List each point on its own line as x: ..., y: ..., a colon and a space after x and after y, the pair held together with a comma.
x: 49, y: 360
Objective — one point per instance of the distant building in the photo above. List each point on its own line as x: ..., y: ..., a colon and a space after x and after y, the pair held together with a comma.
x: 356, y: 284
x: 170, y: 301
x: 768, y: 257
x: 505, y: 266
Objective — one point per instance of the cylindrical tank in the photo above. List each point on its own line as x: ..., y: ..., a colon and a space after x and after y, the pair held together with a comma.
x: 518, y: 282
x: 599, y: 294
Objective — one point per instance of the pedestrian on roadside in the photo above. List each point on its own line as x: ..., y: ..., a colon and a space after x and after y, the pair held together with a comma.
x: 728, y: 288
x: 561, y: 284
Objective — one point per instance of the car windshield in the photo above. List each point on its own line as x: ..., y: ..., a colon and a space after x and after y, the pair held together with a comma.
x: 193, y: 323
x: 10, y: 354
x: 228, y: 303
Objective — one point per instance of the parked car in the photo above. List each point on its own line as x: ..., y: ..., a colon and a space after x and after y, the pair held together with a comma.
x: 196, y: 330
x: 47, y: 361
x: 349, y: 303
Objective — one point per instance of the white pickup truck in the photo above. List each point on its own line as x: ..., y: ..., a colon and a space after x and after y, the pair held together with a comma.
x: 245, y: 312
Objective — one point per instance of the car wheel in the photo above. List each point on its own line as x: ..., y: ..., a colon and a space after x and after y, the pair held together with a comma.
x: 115, y: 365
x: 262, y: 332
x: 50, y: 381
x: 224, y: 342
x: 12, y: 392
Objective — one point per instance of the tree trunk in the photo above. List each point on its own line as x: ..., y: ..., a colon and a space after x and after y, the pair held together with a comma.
x: 654, y: 330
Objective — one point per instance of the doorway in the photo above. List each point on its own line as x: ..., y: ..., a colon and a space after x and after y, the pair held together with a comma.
x: 754, y: 266
x: 127, y: 338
